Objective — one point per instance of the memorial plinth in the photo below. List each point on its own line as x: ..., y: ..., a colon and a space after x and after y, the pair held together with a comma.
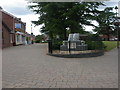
x: 73, y: 44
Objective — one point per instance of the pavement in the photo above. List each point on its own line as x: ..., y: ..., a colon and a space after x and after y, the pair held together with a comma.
x: 29, y: 66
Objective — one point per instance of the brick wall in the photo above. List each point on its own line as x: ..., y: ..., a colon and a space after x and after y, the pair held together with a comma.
x: 9, y: 30
x: 23, y: 25
x: 0, y: 30
x: 6, y: 36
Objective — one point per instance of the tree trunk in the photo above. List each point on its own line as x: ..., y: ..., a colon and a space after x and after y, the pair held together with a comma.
x: 108, y: 33
x: 65, y: 35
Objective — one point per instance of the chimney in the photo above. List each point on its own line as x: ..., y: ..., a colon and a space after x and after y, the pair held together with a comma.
x: 19, y: 19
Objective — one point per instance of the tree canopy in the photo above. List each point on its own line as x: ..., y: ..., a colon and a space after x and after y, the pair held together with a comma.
x: 105, y: 20
x: 71, y: 17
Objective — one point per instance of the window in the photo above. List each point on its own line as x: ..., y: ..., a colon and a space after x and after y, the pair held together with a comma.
x: 18, y: 25
x: 17, y: 38
x: 23, y: 38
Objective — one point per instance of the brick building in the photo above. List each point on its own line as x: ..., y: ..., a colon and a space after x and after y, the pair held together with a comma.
x: 13, y: 30
x: 19, y: 28
x: 30, y: 38
x: 7, y: 30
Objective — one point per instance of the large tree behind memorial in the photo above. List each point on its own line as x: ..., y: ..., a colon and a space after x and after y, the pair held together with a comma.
x: 105, y: 20
x: 60, y: 18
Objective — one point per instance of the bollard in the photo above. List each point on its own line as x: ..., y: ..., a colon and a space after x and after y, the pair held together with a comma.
x: 69, y: 48
x: 50, y: 46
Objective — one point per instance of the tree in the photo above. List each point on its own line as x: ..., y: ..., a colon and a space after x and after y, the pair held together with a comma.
x: 59, y: 18
x: 38, y: 39
x: 105, y: 20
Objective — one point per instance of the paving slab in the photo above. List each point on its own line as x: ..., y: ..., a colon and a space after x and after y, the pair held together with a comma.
x: 29, y: 66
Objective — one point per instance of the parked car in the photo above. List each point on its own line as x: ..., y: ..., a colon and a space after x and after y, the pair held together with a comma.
x: 113, y: 39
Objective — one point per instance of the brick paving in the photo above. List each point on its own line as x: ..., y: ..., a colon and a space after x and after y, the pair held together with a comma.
x: 30, y: 67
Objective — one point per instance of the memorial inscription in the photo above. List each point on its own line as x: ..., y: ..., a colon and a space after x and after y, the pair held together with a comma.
x: 73, y: 43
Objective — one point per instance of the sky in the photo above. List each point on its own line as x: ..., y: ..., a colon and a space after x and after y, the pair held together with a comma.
x: 19, y: 8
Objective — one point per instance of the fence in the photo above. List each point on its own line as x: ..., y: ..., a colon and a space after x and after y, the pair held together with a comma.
x: 91, y: 44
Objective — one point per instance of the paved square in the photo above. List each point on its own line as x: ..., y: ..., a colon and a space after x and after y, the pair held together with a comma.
x: 30, y: 67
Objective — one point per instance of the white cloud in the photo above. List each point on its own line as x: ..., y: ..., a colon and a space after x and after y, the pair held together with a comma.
x: 19, y: 9
x: 12, y: 2
x: 15, y: 6
x: 28, y: 19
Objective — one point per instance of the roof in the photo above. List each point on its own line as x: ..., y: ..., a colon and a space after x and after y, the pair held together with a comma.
x: 19, y: 19
x: 7, y: 13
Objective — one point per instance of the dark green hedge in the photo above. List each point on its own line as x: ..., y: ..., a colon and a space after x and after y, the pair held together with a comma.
x: 95, y: 45
x: 37, y: 41
x: 56, y: 44
x: 94, y: 42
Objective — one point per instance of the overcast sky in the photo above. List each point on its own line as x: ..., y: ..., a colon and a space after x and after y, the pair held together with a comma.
x: 19, y: 9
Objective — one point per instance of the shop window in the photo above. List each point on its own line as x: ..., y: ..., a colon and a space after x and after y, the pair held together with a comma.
x: 17, y: 38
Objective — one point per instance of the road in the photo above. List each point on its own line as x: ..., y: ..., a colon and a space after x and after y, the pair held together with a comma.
x: 29, y: 67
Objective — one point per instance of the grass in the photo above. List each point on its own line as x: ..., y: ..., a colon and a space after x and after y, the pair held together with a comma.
x: 110, y: 45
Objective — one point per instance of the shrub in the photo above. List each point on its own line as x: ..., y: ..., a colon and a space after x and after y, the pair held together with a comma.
x: 56, y: 44
x: 37, y: 41
x: 94, y: 42
x: 44, y: 42
x: 95, y: 45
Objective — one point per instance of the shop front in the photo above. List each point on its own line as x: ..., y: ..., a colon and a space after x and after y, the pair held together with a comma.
x: 20, y: 38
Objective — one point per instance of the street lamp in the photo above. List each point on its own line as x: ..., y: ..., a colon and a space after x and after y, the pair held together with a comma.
x: 117, y: 23
x: 31, y: 29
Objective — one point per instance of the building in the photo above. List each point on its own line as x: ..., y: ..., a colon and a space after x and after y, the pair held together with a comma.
x: 30, y: 38
x: 0, y: 29
x: 20, y: 29
x: 8, y: 38
x: 13, y: 30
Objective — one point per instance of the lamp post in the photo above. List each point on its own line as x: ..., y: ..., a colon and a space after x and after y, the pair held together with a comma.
x: 31, y: 35
x: 117, y: 23
x: 31, y: 29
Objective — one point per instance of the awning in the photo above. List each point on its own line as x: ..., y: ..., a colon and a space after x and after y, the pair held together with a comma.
x: 20, y: 33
